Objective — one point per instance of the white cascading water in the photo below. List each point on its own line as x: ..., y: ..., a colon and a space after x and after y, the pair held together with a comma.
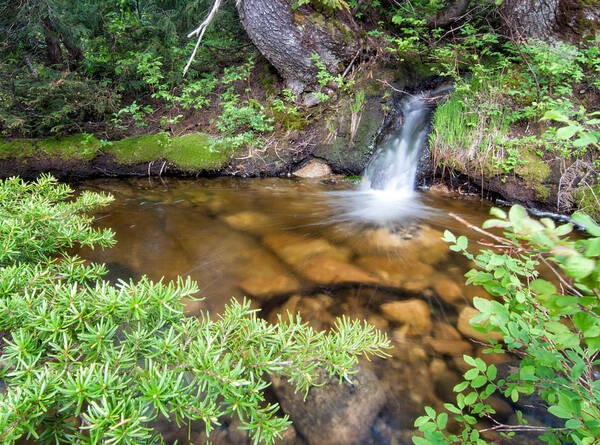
x: 393, y: 168
x: 387, y: 194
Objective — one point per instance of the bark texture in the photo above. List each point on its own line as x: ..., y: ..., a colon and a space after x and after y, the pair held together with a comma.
x: 548, y: 20
x: 289, y: 38
x: 531, y: 19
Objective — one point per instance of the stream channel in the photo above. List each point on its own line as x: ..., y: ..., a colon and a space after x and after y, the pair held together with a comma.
x: 323, y: 248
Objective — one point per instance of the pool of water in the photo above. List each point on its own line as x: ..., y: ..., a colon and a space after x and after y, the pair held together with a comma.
x: 320, y: 248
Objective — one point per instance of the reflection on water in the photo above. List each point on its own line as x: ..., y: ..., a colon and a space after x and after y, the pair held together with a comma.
x: 320, y: 249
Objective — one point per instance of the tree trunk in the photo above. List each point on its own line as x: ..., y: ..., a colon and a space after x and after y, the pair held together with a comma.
x: 53, y: 51
x: 289, y: 38
x: 548, y: 20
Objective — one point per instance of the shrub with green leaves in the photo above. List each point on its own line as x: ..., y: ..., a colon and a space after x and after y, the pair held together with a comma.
x: 551, y: 323
x: 83, y: 361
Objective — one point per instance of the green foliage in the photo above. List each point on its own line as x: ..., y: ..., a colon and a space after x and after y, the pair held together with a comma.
x: 83, y: 361
x: 554, y: 326
x: 52, y: 103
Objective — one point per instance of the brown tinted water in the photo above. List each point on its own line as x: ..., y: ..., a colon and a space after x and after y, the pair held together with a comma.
x: 294, y: 245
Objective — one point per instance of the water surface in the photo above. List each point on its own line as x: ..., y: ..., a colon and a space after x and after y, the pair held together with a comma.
x: 318, y: 248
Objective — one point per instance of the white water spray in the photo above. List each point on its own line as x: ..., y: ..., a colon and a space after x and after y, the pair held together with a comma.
x: 387, y: 194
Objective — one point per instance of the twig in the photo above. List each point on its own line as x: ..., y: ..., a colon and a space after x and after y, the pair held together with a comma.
x: 351, y: 63
x: 199, y: 31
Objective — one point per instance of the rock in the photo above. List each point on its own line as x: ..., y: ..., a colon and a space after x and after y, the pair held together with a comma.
x: 295, y: 249
x: 414, y: 243
x: 289, y: 308
x: 264, y: 287
x: 476, y: 291
x: 444, y: 382
x: 445, y: 331
x: 447, y: 289
x: 327, y: 271
x: 314, y: 169
x: 450, y: 347
x: 378, y: 322
x: 310, y: 100
x: 503, y: 409
x: 312, y: 309
x: 464, y: 326
x: 334, y: 413
x: 397, y: 272
x: 249, y: 221
x: 229, y: 432
x: 414, y: 313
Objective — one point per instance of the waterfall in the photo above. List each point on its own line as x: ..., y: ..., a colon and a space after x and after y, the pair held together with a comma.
x: 393, y: 167
x: 387, y: 193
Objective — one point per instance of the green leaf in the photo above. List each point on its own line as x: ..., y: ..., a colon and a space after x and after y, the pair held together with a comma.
x: 554, y: 115
x: 462, y: 242
x: 579, y: 267
x: 560, y: 412
x: 453, y: 409
x: 460, y: 387
x: 593, y: 247
x: 584, y: 140
x: 517, y: 213
x: 449, y: 237
x: 587, y: 222
x: 498, y: 213
x: 442, y: 420
x: 567, y: 132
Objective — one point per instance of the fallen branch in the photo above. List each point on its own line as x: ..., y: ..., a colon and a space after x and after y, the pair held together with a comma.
x: 200, y: 30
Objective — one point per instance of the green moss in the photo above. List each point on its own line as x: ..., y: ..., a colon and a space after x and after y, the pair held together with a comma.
x: 194, y: 151
x: 534, y: 171
x: 17, y: 148
x: 588, y: 200
x: 138, y: 149
x: 82, y: 147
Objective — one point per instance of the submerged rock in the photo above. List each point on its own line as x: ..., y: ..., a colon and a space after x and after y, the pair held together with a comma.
x: 314, y: 169
x: 249, y: 221
x: 263, y: 287
x: 295, y: 249
x: 327, y: 271
x: 414, y: 313
x: 334, y: 413
x: 397, y: 272
x: 447, y: 289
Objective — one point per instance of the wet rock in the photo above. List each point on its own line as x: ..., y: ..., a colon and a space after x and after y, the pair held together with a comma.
x: 327, y: 271
x: 312, y: 309
x: 414, y: 313
x: 444, y: 382
x: 378, y: 322
x: 287, y: 310
x: 503, y: 409
x: 229, y: 432
x: 445, y: 331
x: 264, y: 287
x: 421, y: 243
x: 249, y: 221
x: 314, y: 169
x: 447, y: 289
x: 397, y: 272
x: 476, y: 291
x: 334, y: 413
x: 310, y: 100
x: 295, y: 249
x: 449, y: 347
x: 464, y: 326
